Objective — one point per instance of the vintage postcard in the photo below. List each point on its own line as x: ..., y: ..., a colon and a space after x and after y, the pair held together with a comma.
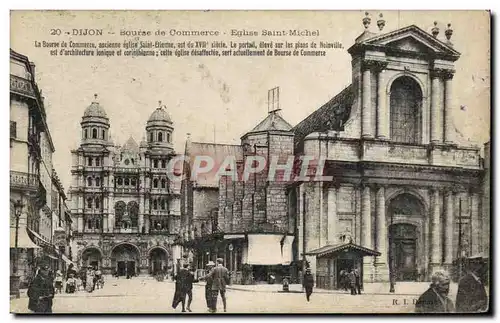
x: 250, y: 162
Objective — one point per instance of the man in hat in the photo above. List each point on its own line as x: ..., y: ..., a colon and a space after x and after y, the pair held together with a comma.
x: 41, y: 291
x: 208, y: 288
x: 220, y: 278
x: 308, y: 283
x: 435, y: 299
x: 471, y: 295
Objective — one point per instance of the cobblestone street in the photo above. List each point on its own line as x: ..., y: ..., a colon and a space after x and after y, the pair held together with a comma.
x: 145, y: 295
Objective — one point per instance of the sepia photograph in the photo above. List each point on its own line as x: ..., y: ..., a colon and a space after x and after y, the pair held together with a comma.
x: 250, y: 162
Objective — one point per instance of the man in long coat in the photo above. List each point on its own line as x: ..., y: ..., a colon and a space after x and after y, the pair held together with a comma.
x: 471, y: 295
x: 308, y: 283
x: 181, y: 287
x: 435, y: 299
x: 208, y: 288
x: 41, y: 291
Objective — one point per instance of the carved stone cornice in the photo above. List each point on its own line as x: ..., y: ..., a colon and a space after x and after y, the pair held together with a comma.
x: 373, y: 65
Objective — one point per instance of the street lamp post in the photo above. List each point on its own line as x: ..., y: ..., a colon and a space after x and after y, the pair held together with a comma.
x: 14, y: 278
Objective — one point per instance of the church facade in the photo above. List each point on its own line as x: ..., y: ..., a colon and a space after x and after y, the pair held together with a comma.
x: 126, y: 209
x: 405, y: 192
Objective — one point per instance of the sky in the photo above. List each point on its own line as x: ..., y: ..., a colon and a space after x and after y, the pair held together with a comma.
x: 222, y: 98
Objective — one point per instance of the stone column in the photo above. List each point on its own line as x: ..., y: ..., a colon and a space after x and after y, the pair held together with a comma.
x: 105, y: 223
x: 448, y: 250
x: 80, y: 223
x: 436, y: 237
x: 366, y: 114
x: 381, y: 229
x: 448, y: 114
x: 111, y: 214
x: 366, y: 233
x: 332, y: 215
x: 382, y: 112
x: 436, y: 125
x: 475, y: 222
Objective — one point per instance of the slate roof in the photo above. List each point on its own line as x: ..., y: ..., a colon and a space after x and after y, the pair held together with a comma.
x: 331, y: 116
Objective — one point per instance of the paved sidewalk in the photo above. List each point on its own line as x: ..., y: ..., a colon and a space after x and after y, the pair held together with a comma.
x: 401, y: 288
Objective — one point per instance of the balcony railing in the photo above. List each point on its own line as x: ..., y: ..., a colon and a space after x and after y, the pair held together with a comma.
x: 24, y: 181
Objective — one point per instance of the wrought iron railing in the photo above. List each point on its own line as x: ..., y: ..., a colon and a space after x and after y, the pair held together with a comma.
x: 24, y: 180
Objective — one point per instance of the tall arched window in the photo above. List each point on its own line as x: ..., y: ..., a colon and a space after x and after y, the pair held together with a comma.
x: 132, y: 182
x: 103, y: 134
x: 89, y: 161
x: 89, y: 181
x: 155, y: 204
x: 150, y: 137
x: 155, y: 183
x: 406, y: 110
x: 163, y: 183
x: 89, y: 202
x: 133, y: 211
x: 120, y: 207
x: 160, y: 136
x: 97, y: 181
x: 120, y: 181
x: 97, y: 161
x: 97, y: 203
x: 85, y: 133
x: 163, y: 163
x: 168, y: 137
x: 127, y: 181
x: 162, y: 204
x: 97, y: 224
x: 155, y: 163
x: 94, y: 133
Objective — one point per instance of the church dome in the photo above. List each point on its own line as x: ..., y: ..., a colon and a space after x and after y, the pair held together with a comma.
x: 160, y: 114
x: 95, y: 110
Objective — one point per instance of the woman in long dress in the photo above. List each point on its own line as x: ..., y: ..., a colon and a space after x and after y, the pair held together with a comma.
x: 90, y: 280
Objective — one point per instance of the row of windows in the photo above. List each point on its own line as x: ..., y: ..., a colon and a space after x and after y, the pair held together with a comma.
x: 159, y: 204
x: 160, y: 137
x: 92, y: 180
x: 94, y: 134
x: 159, y: 163
x: 90, y: 161
x: 120, y: 181
x: 93, y: 203
x: 93, y: 223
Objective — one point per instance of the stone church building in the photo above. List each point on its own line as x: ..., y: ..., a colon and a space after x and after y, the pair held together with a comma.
x: 406, y: 194
x: 126, y: 210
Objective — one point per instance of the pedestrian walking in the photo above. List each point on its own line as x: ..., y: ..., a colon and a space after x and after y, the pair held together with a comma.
x: 58, y: 282
x: 90, y: 280
x: 471, y: 295
x: 435, y: 299
x: 351, y: 278
x: 208, y: 288
x: 181, y: 286
x: 41, y: 291
x: 220, y: 276
x: 189, y: 287
x: 357, y: 281
x: 308, y: 283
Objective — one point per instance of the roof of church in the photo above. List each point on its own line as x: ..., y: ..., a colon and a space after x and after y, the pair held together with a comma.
x: 331, y: 116
x: 273, y: 121
x: 95, y: 110
x: 218, y: 152
x: 160, y: 114
x: 130, y: 145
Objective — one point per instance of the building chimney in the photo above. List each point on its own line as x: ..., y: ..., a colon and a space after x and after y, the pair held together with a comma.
x: 435, y: 30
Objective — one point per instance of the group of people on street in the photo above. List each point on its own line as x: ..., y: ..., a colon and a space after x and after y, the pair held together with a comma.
x: 471, y: 294
x: 216, y: 280
x: 351, y: 280
x: 45, y: 285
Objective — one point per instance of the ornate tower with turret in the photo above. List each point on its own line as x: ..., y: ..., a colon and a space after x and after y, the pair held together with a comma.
x: 126, y: 206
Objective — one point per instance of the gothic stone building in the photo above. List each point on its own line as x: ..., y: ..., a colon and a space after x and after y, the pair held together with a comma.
x: 126, y: 210
x: 403, y: 185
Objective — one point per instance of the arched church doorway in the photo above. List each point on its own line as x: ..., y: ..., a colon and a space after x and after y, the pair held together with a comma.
x: 158, y: 260
x: 125, y: 260
x: 91, y: 257
x: 406, y: 243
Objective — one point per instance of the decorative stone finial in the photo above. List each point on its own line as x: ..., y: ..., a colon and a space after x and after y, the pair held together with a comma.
x: 448, y: 32
x: 435, y: 30
x: 95, y: 97
x: 381, y: 22
x: 367, y: 20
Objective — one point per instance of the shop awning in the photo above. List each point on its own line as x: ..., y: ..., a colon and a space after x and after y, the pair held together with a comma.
x: 335, y: 250
x: 23, y: 240
x: 269, y: 249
